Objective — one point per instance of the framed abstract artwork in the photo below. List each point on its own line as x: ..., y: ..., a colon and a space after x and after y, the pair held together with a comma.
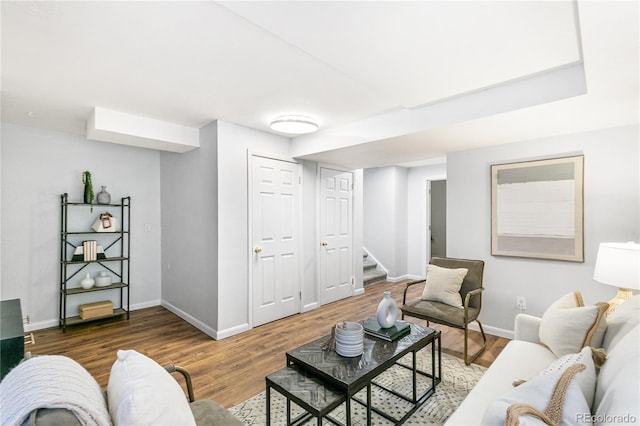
x: 537, y: 209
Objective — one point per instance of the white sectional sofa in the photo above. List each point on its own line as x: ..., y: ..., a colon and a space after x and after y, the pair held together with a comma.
x: 617, y: 383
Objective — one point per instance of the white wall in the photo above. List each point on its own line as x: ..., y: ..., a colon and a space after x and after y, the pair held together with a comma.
x: 39, y: 165
x: 385, y: 218
x: 611, y: 213
x: 189, y: 232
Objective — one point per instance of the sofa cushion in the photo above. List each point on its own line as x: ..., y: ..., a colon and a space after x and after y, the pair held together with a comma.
x: 617, y: 390
x: 141, y: 392
x: 586, y: 379
x: 621, y: 321
x: 517, y: 360
x: 567, y: 326
x: 539, y: 393
x: 443, y: 285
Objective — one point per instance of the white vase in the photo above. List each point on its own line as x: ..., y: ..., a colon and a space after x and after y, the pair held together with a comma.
x: 387, y: 311
x: 103, y: 279
x: 87, y: 282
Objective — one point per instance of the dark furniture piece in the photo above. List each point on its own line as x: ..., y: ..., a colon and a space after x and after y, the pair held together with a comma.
x: 306, y: 390
x: 11, y: 335
x: 116, y: 247
x: 340, y: 378
x: 471, y: 293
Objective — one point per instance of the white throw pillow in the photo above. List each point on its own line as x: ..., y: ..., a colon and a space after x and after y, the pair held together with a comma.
x: 538, y: 393
x: 568, y: 326
x: 585, y: 379
x: 443, y: 285
x: 141, y: 392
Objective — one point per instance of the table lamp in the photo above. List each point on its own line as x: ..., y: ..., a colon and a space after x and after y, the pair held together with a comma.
x: 618, y: 265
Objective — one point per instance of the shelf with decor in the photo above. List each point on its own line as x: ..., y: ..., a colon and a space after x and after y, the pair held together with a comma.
x: 94, y: 244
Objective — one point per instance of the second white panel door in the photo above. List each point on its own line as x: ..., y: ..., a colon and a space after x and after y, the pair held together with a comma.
x: 336, y: 245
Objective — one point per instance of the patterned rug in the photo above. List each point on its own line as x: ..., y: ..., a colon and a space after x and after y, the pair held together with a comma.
x: 457, y: 380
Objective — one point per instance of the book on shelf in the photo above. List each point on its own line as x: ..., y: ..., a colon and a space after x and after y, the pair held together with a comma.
x: 90, y: 250
x: 372, y: 328
x: 79, y: 254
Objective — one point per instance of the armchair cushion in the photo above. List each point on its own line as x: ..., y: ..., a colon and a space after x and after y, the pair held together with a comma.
x: 140, y: 391
x: 443, y: 285
x: 439, y: 312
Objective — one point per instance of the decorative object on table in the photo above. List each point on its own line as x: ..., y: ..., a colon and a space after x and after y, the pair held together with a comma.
x: 349, y: 339
x: 78, y: 254
x: 105, y: 223
x: 330, y: 343
x: 537, y: 209
x: 103, y: 197
x: 90, y: 250
x: 88, y: 187
x: 87, y: 282
x: 103, y: 279
x: 96, y: 309
x: 387, y: 312
x: 398, y: 330
x: 618, y: 265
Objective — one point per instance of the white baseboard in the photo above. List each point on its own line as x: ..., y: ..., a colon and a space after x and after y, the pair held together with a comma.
x: 403, y: 277
x: 358, y: 291
x: 40, y: 325
x: 232, y: 331
x: 494, y: 331
x: 310, y: 307
x: 209, y: 331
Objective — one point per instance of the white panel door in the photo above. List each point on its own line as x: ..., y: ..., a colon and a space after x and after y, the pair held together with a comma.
x: 275, y: 245
x: 336, y: 236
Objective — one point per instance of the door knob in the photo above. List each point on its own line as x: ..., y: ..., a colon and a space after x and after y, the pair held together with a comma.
x: 324, y: 244
x: 257, y: 250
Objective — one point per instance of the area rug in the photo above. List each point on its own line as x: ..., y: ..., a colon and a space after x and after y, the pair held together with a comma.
x: 457, y: 380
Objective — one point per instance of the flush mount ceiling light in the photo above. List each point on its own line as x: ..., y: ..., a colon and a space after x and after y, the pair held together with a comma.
x: 294, y: 124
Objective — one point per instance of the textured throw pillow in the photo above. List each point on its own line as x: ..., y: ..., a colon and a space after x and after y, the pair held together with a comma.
x: 568, y: 326
x: 443, y: 285
x: 586, y: 379
x: 141, y: 392
x: 552, y: 398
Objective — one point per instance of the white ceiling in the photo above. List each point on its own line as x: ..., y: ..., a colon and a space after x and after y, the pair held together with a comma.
x: 388, y: 82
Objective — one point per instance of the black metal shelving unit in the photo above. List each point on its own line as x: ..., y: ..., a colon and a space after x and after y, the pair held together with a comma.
x: 117, y: 260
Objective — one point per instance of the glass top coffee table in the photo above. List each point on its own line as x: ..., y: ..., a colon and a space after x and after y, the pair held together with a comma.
x: 347, y: 376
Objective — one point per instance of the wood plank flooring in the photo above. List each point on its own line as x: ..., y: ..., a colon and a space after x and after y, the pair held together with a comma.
x: 233, y: 369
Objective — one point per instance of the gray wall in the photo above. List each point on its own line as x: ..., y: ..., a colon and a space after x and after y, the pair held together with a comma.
x: 384, y: 218
x: 190, y: 230
x: 39, y: 165
x: 611, y: 213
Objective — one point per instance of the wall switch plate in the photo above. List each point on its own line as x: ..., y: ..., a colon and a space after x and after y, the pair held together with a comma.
x: 521, y: 303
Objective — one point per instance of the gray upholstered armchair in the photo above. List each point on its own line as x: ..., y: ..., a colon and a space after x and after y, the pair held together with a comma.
x: 442, y: 313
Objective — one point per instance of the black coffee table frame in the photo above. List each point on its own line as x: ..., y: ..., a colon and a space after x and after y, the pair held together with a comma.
x: 350, y: 375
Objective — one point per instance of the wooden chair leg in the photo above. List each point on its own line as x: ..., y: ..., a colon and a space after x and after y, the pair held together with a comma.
x: 468, y: 360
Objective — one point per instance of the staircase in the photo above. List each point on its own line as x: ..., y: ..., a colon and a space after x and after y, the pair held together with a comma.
x: 372, y: 275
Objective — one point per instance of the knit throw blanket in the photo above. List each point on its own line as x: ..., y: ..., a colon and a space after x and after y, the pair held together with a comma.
x: 52, y: 381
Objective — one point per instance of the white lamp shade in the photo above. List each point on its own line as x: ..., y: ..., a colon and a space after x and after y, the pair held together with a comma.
x: 618, y: 265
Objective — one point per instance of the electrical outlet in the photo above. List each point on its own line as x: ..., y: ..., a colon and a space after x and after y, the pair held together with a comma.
x: 521, y: 303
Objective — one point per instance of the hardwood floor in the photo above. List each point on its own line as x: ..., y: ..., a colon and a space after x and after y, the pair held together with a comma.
x: 233, y: 369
